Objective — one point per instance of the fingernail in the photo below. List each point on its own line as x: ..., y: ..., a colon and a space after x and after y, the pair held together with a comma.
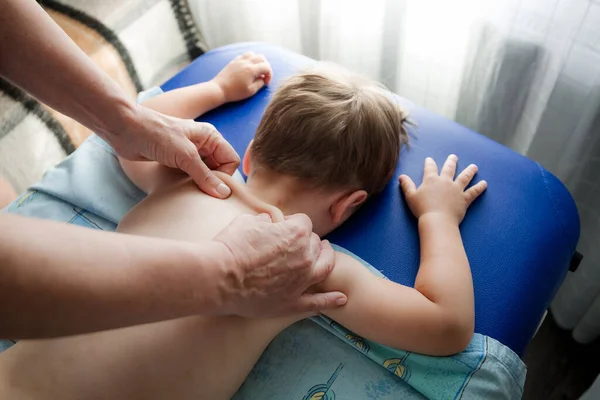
x: 223, y: 190
x: 454, y: 156
x: 341, y: 301
x: 265, y: 217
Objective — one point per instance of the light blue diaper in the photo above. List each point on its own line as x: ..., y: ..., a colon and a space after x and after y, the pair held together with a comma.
x: 312, y: 359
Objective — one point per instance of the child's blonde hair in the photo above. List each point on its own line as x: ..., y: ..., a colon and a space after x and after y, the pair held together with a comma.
x: 332, y: 129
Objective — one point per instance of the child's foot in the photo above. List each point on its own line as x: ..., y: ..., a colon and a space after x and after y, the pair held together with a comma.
x: 7, y: 193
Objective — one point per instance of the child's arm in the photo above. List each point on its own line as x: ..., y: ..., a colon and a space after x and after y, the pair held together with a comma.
x: 240, y: 79
x: 437, y: 316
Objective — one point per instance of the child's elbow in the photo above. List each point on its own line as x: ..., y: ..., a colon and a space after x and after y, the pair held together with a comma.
x: 455, y: 336
x: 460, y: 340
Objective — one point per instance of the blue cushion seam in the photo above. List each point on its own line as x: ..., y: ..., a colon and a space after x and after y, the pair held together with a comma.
x: 555, y: 206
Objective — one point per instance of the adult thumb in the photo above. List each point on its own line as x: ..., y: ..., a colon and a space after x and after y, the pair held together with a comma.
x: 206, y: 180
x: 316, y: 302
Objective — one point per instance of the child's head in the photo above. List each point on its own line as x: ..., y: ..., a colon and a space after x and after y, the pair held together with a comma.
x: 338, y: 134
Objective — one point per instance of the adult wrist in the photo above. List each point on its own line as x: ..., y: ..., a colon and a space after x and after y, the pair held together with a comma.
x: 123, y: 119
x: 214, y: 278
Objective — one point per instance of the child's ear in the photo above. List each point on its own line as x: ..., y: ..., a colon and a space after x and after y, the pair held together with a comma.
x: 343, y: 208
x: 246, y: 160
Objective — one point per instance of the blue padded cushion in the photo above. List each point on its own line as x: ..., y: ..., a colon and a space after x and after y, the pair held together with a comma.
x: 519, y: 236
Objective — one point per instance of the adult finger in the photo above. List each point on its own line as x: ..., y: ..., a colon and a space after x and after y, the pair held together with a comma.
x: 315, y: 246
x: 247, y: 55
x: 249, y: 219
x: 407, y: 185
x: 324, y: 264
x: 430, y: 168
x: 466, y: 176
x: 264, y: 217
x: 475, y: 191
x: 449, y: 168
x: 206, y: 180
x: 210, y: 162
x: 229, y: 168
x: 225, y: 156
x: 299, y: 220
x: 317, y: 302
x: 212, y: 146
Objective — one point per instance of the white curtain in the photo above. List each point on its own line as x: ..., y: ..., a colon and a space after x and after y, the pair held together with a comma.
x: 524, y: 72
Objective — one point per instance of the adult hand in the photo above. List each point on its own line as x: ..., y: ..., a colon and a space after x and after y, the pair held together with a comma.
x: 273, y: 266
x: 193, y: 147
x: 71, y: 83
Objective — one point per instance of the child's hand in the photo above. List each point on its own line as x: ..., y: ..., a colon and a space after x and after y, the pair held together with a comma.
x: 244, y: 76
x: 441, y: 193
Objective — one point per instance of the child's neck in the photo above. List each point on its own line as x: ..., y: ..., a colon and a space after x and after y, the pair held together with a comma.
x: 276, y: 192
x: 284, y: 193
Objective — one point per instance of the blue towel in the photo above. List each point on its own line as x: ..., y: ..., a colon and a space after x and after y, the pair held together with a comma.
x: 313, y: 359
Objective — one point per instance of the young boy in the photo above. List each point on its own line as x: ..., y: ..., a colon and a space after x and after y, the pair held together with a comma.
x: 328, y: 140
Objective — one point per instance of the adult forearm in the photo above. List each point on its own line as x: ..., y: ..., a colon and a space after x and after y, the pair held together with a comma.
x: 37, y: 55
x: 59, y: 279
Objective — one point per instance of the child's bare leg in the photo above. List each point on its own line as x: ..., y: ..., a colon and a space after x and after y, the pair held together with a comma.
x: 196, y: 358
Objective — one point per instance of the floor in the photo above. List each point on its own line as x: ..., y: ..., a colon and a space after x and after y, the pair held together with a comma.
x: 558, y: 368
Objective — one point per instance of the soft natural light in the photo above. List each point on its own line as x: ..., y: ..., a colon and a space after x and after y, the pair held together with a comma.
x: 358, y: 25
x: 434, y: 47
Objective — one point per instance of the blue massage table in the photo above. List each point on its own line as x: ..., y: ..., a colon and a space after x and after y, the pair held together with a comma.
x: 519, y: 236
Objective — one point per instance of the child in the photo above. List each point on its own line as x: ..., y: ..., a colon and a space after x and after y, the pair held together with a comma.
x: 328, y: 140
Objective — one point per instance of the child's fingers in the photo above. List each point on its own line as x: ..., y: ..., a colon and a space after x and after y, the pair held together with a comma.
x: 430, y: 168
x: 247, y: 55
x: 263, y: 68
x: 407, y: 185
x: 449, y: 168
x: 465, y: 177
x: 257, y: 85
x: 258, y: 58
x: 475, y: 191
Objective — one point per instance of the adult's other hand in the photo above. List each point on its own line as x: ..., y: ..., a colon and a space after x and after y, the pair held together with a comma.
x: 273, y: 264
x: 194, y: 147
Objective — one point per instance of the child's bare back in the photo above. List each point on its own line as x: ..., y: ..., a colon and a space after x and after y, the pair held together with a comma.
x: 195, y: 357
